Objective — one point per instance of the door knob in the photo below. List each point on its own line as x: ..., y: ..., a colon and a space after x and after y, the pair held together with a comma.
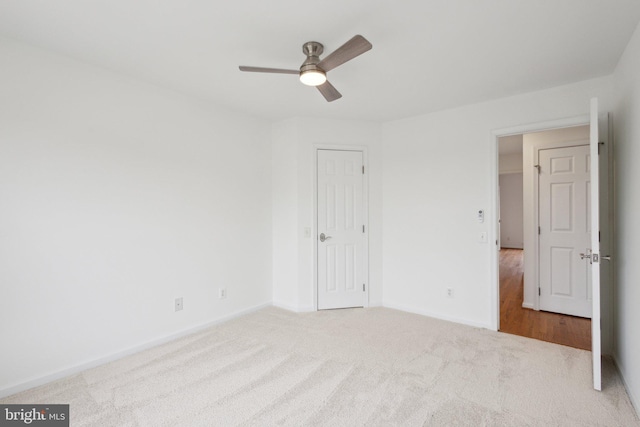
x: 607, y: 257
x: 323, y: 237
x: 583, y: 256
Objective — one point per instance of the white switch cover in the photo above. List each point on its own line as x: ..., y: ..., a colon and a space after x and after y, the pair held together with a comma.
x: 483, y: 237
x: 480, y: 215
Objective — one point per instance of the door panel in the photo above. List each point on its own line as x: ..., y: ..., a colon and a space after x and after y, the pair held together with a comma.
x: 341, y: 263
x: 594, y: 264
x: 564, y: 230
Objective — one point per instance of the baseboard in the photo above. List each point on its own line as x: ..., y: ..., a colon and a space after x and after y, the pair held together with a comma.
x: 527, y: 305
x: 520, y: 246
x: 295, y: 309
x: 35, y: 382
x: 308, y: 308
x: 428, y: 313
x: 633, y: 398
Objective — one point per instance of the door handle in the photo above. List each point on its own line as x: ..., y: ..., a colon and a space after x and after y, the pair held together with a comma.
x: 594, y: 257
x: 323, y: 237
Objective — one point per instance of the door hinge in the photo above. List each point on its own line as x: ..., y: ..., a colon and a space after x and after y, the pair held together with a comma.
x: 539, y: 292
x: 362, y: 169
x: 363, y: 228
x: 537, y: 167
x: 599, y: 144
x: 363, y: 287
x: 598, y: 236
x: 539, y: 230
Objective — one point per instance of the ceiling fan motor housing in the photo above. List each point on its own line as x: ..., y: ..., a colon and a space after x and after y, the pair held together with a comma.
x: 313, y: 50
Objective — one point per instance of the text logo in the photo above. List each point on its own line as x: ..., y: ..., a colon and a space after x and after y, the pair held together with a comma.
x: 34, y: 415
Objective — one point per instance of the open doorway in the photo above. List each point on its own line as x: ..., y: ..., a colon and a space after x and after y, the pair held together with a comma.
x: 520, y: 312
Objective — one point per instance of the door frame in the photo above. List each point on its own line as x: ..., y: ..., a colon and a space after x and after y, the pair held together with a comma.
x: 365, y: 213
x: 495, y: 254
x: 607, y: 296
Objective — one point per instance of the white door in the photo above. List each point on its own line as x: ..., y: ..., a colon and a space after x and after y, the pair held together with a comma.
x: 341, y: 234
x: 565, y: 229
x: 594, y: 249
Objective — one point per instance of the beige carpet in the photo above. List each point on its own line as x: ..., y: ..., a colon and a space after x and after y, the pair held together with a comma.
x: 344, y: 368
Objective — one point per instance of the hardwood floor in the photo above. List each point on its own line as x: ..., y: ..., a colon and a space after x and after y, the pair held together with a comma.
x: 541, y: 325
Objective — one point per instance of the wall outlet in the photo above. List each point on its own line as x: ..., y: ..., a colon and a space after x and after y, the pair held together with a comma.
x: 222, y: 293
x: 450, y: 292
x: 179, y: 305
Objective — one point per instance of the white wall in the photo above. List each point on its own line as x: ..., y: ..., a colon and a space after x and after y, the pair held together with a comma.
x: 510, y: 163
x: 284, y: 162
x: 511, y: 226
x: 439, y: 169
x: 118, y: 197
x: 294, y: 143
x: 627, y: 155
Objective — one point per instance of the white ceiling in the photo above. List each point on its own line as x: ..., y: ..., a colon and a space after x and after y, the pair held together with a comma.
x: 427, y: 55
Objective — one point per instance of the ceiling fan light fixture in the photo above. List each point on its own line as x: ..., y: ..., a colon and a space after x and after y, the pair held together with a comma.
x: 313, y: 70
x: 313, y: 77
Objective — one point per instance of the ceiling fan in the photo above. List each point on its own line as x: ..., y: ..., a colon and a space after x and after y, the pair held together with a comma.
x: 313, y: 71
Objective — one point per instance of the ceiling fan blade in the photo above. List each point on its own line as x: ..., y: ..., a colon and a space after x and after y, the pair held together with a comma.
x: 354, y: 47
x: 267, y: 70
x: 329, y: 92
